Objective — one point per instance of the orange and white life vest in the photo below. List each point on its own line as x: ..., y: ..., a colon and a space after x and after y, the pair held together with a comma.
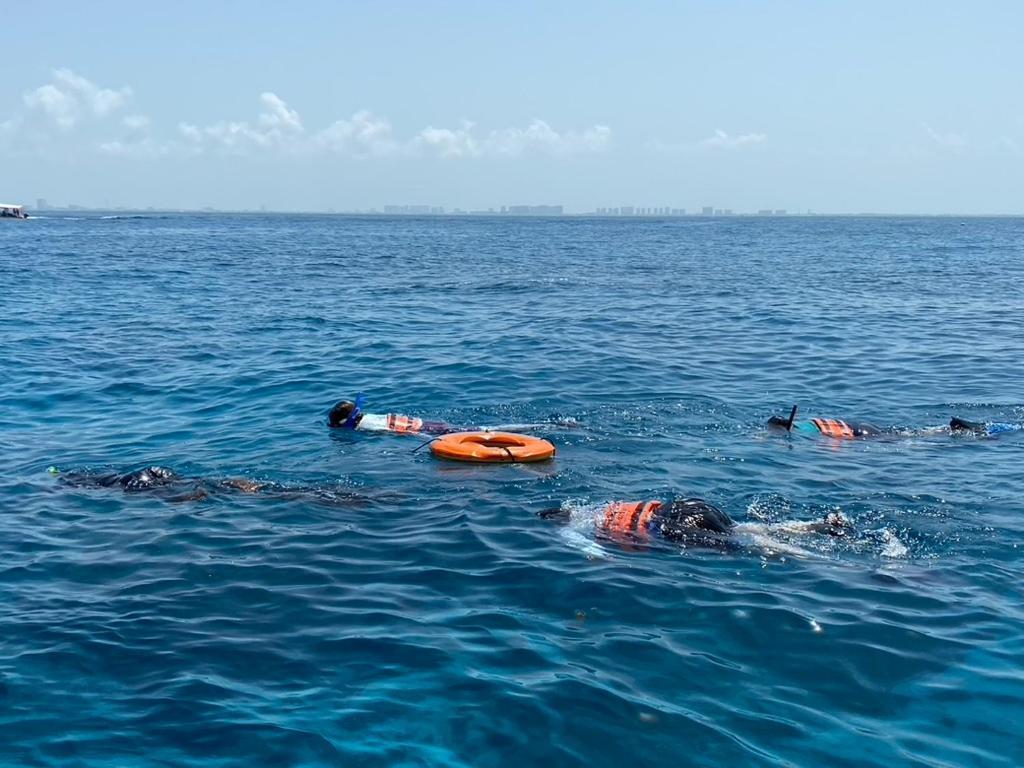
x: 834, y: 428
x: 403, y: 424
x: 629, y: 517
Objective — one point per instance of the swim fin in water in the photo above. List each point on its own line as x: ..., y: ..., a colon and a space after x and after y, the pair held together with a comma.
x: 985, y: 428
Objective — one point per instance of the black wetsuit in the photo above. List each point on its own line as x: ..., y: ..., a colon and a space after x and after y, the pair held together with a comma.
x: 687, y: 520
x: 171, y: 486
x: 683, y: 519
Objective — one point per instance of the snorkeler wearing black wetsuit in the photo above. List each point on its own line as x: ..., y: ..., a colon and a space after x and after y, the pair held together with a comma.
x: 828, y: 427
x: 171, y: 486
x: 685, y: 519
x: 848, y: 430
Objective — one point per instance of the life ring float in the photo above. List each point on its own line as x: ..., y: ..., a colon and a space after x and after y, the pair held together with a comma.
x: 492, y: 447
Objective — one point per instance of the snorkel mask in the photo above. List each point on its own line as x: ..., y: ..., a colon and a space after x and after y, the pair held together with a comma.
x: 357, y: 411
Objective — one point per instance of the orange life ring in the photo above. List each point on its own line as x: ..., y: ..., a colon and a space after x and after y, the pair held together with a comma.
x: 501, y: 447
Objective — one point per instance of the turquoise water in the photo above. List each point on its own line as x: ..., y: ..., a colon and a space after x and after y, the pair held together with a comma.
x: 427, y: 616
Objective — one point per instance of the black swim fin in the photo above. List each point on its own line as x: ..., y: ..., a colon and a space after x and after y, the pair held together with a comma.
x: 557, y: 514
x: 963, y: 425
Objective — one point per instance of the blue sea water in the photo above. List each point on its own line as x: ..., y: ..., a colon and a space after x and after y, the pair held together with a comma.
x: 416, y: 612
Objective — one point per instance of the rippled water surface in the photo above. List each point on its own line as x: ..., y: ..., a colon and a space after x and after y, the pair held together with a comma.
x: 413, y: 612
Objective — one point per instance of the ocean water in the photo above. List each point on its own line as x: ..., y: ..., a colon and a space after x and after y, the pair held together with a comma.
x: 407, y: 611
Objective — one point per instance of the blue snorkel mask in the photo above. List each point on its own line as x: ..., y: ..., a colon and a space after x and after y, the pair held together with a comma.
x: 357, y: 411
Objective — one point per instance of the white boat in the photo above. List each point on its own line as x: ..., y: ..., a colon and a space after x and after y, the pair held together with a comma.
x: 11, y: 211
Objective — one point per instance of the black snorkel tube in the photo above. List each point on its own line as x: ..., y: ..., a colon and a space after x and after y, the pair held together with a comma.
x: 792, y: 416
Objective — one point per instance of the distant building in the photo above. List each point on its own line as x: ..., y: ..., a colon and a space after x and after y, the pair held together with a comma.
x: 407, y: 210
x: 765, y: 212
x: 627, y: 210
x: 678, y: 211
x: 535, y: 210
x: 780, y: 211
x: 707, y: 210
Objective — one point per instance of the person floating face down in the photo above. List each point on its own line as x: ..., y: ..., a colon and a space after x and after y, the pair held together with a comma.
x: 848, y: 430
x: 688, y: 520
x: 837, y: 428
x: 171, y: 486
x: 346, y: 414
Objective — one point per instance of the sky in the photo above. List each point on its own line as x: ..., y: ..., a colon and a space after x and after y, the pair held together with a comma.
x: 841, y: 107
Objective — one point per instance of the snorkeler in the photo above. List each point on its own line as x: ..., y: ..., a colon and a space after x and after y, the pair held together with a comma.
x: 828, y: 427
x: 848, y: 430
x: 684, y: 520
x: 346, y: 414
x: 171, y: 486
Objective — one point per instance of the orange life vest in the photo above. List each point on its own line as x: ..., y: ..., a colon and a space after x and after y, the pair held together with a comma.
x: 629, y: 517
x: 834, y: 428
x: 403, y: 424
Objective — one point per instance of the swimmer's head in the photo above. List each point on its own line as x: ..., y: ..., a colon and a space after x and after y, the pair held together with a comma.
x: 837, y: 524
x: 343, y: 414
x: 781, y: 422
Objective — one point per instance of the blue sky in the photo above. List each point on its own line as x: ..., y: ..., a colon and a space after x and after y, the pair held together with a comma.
x: 835, y: 107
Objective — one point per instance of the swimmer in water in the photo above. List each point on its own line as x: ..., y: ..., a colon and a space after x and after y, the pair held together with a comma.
x: 828, y: 427
x: 348, y: 414
x: 688, y: 520
x: 171, y: 486
x: 849, y: 430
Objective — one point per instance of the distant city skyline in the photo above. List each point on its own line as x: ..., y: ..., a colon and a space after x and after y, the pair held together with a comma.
x: 837, y: 108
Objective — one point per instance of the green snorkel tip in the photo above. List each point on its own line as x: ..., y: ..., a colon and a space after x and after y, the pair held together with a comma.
x: 53, y: 470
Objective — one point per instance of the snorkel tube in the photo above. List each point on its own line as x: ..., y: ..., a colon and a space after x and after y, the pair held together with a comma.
x: 357, y: 411
x: 789, y: 421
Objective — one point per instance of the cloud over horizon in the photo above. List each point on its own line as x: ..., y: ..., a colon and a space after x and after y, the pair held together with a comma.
x: 70, y: 98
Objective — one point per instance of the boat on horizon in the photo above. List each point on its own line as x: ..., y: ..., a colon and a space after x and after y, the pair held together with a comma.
x: 11, y: 211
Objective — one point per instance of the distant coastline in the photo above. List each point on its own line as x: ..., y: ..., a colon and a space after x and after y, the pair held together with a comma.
x: 457, y: 213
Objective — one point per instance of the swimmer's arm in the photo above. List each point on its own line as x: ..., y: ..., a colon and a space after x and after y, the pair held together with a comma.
x: 585, y: 544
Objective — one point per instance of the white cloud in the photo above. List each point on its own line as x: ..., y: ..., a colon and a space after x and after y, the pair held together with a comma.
x: 722, y: 140
x: 145, y: 147
x: 276, y: 125
x: 135, y: 122
x: 538, y: 135
x: 448, y: 142
x: 362, y: 134
x: 70, y: 96
x: 277, y: 115
x: 949, y: 140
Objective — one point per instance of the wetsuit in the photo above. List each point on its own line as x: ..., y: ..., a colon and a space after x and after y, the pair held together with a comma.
x: 684, y: 519
x: 837, y: 428
x: 171, y: 486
